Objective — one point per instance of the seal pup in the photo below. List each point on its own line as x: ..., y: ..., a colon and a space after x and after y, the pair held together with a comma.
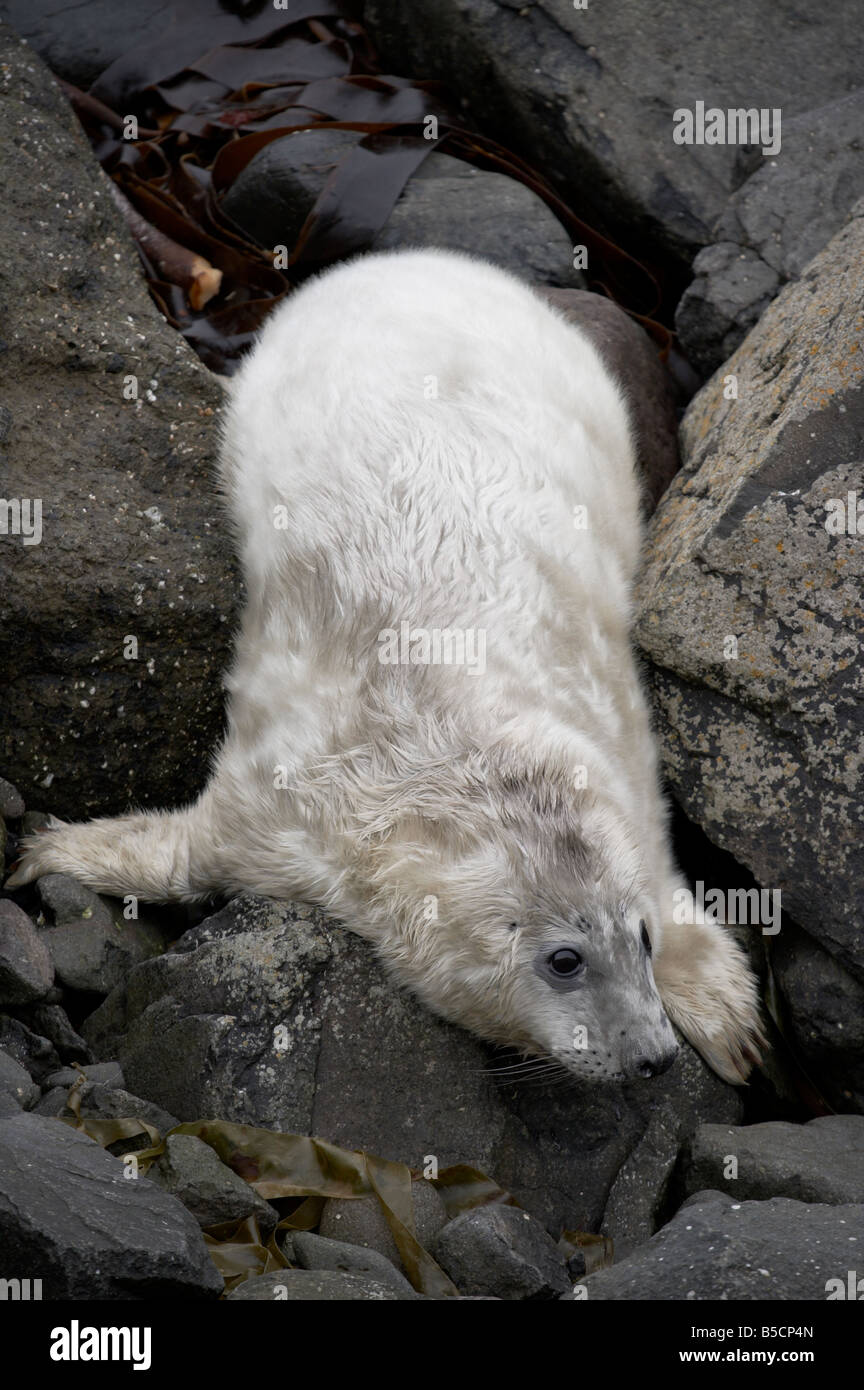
x: 436, y: 728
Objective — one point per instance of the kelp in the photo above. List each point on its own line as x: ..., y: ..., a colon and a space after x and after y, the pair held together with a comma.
x: 240, y: 1252
x: 176, y: 119
x: 293, y: 1165
x: 114, y: 1133
x: 310, y: 1172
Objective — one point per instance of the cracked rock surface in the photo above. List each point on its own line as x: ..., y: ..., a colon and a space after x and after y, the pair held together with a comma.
x: 107, y: 419
x: 751, y: 615
x: 750, y: 608
x: 588, y: 94
x: 270, y: 1014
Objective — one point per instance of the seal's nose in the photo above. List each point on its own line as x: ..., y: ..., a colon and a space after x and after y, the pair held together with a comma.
x: 655, y: 1066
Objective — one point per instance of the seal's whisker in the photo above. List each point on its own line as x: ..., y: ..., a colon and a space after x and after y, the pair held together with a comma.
x: 527, y: 1064
x: 553, y: 1075
x: 538, y: 1074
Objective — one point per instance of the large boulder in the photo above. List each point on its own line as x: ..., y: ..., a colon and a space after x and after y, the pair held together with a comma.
x: 70, y: 1217
x: 588, y: 92
x: 718, y: 1248
x: 822, y: 1161
x: 268, y: 1014
x: 119, y: 618
x: 750, y: 606
x: 79, y: 41
x: 773, y: 225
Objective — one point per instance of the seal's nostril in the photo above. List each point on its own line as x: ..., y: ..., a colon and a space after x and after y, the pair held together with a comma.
x: 655, y: 1066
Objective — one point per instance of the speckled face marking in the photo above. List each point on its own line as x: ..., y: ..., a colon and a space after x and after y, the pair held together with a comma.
x: 589, y: 987
x: 551, y: 951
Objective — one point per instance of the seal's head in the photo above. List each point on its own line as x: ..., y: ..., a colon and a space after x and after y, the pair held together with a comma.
x: 522, y: 911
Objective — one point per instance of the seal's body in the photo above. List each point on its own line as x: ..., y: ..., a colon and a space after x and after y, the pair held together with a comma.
x: 436, y: 726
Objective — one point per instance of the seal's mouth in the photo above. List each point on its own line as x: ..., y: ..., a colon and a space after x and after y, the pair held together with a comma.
x: 594, y: 1067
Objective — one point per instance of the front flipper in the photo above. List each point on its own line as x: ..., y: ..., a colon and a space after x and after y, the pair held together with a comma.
x: 709, y: 992
x: 155, y: 855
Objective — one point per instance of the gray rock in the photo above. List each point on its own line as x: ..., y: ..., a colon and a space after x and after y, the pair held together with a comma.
x: 749, y: 607
x: 638, y: 1197
x: 115, y: 560
x: 731, y: 287
x: 824, y: 1015
x: 314, y: 1252
x: 112, y: 1103
x: 67, y: 901
x: 107, y: 1024
x: 70, y: 1218
x: 208, y: 1188
x: 102, y: 1073
x: 455, y: 205
x: 270, y: 1015
x: 773, y: 225
x: 52, y: 1022
x: 16, y: 1081
x: 632, y: 357
x: 80, y: 40
x: 53, y: 1103
x: 502, y: 1252
x: 26, y: 969
x: 588, y: 95
x: 93, y: 946
x: 314, y: 1285
x: 716, y: 1248
x: 822, y: 1161
x: 360, y: 1222
x: 101, y: 1102
x: 446, y: 203
x: 11, y: 801
x: 35, y: 1053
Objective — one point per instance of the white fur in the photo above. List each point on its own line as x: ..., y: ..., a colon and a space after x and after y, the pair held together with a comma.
x: 431, y: 427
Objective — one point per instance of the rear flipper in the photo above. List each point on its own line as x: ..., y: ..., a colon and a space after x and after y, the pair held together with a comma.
x: 152, y: 854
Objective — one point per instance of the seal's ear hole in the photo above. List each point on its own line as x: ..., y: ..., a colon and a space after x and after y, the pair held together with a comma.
x: 514, y: 926
x: 643, y: 932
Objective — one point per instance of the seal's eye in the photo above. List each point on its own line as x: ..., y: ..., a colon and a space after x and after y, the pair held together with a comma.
x: 560, y: 967
x: 565, y: 962
x: 646, y: 940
